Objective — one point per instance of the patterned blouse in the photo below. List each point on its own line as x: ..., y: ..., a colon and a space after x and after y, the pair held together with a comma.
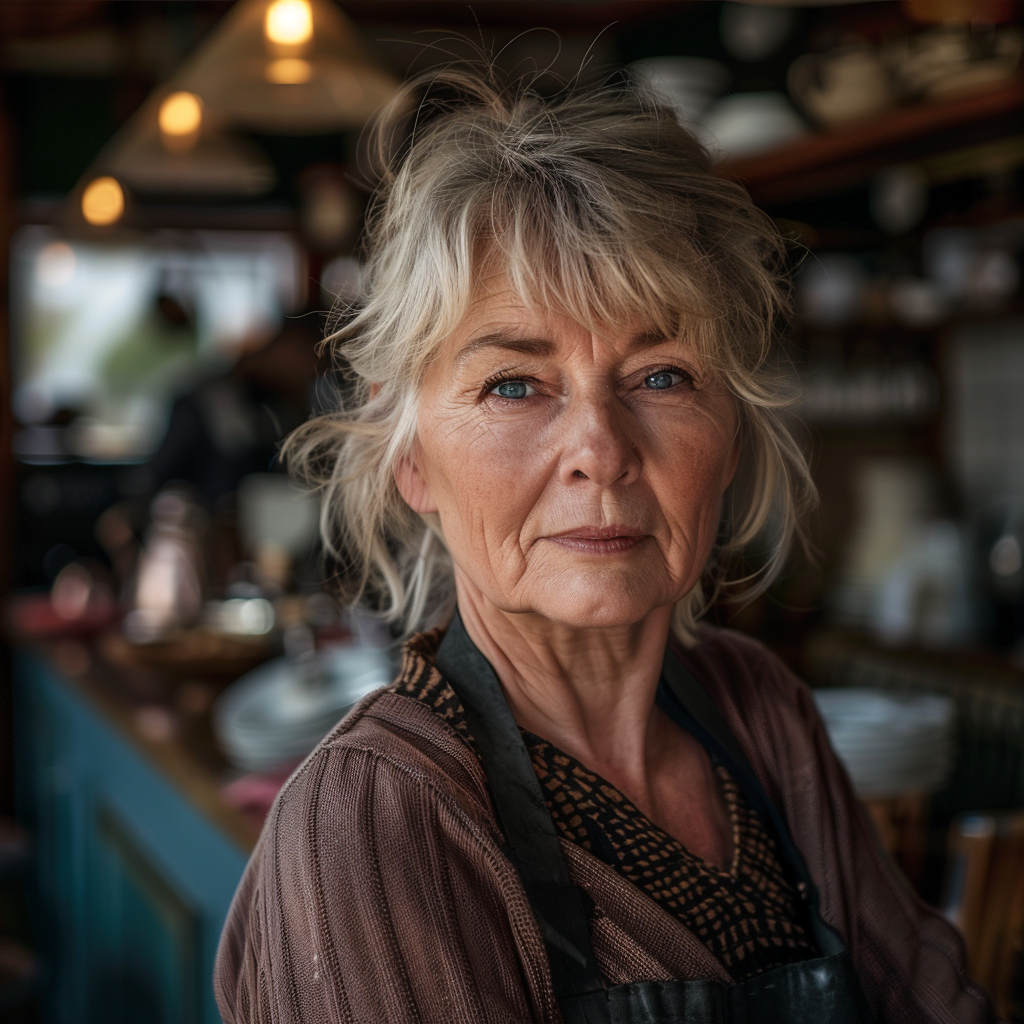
x: 749, y: 916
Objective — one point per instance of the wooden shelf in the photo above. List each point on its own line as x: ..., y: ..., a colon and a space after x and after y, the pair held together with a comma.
x: 844, y: 158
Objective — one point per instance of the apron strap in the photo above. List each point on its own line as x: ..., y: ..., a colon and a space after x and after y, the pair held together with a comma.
x: 682, y: 697
x: 561, y: 907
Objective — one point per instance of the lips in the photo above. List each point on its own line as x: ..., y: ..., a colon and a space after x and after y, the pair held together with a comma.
x: 599, y: 539
x: 599, y: 533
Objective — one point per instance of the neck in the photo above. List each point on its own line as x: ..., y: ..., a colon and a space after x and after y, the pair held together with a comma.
x: 589, y: 691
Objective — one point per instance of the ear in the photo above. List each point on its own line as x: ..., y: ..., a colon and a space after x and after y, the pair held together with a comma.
x: 412, y: 485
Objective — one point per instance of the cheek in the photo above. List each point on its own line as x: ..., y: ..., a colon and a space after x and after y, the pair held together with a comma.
x: 690, y: 470
x: 485, y: 478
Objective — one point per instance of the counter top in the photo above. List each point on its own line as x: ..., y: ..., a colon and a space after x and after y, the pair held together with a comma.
x: 166, y: 719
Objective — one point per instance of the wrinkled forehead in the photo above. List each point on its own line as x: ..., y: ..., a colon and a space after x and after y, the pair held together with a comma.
x: 504, y: 293
x: 532, y: 282
x: 496, y: 309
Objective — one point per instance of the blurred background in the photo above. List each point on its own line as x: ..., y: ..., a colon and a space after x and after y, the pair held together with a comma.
x: 181, y: 196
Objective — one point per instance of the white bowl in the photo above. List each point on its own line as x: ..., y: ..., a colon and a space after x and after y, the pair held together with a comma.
x: 749, y: 122
x: 271, y: 715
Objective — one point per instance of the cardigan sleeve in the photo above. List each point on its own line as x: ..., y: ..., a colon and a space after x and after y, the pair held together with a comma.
x: 371, y: 897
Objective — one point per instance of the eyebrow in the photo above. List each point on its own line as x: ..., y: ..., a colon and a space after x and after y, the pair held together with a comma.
x: 511, y: 341
x: 648, y: 339
x: 508, y: 340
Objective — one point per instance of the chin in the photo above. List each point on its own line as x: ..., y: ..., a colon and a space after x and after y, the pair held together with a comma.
x: 588, y: 603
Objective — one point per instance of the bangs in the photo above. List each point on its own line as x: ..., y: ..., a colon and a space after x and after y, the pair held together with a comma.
x: 624, y: 261
x: 566, y: 270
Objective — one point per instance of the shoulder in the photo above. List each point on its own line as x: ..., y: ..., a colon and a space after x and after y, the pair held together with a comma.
x: 361, y: 845
x: 389, y: 752
x: 729, y: 643
x: 390, y: 758
x: 379, y: 843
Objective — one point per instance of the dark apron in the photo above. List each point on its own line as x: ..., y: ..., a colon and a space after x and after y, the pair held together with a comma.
x: 824, y: 990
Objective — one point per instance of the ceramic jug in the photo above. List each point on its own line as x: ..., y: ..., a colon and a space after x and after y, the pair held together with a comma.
x: 840, y: 86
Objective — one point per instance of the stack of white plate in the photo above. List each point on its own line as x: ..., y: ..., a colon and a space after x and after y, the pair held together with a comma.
x: 273, y: 715
x: 890, y: 744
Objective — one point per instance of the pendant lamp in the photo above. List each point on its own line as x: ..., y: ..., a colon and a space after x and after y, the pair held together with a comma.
x: 273, y: 66
x: 171, y: 146
x: 201, y: 160
x: 288, y: 66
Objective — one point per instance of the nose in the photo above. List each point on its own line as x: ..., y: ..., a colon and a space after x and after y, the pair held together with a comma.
x: 597, y: 445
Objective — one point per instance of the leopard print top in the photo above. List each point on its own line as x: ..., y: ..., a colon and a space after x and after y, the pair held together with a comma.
x: 749, y: 916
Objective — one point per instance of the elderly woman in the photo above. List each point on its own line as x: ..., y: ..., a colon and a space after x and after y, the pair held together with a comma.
x: 574, y: 803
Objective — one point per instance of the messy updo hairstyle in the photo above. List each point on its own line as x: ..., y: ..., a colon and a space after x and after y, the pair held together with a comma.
x: 596, y: 203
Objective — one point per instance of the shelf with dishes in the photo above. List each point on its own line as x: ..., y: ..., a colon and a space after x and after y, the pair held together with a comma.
x: 848, y: 155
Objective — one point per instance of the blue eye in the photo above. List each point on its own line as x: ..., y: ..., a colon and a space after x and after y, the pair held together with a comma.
x: 513, y: 389
x: 663, y: 380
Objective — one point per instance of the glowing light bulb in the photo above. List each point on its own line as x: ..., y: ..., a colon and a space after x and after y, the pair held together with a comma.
x: 289, y: 22
x: 103, y: 201
x: 181, y: 113
x: 289, y: 71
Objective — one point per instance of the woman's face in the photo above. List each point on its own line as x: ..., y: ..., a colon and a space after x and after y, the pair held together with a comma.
x: 577, y: 476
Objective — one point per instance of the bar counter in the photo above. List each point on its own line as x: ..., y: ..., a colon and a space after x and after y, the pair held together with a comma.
x: 137, y: 851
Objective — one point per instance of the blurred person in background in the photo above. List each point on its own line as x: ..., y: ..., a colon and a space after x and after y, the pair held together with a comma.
x: 576, y: 802
x: 221, y: 430
x: 228, y: 426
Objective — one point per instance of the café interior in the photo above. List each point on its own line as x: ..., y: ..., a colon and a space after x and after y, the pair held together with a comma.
x: 182, y: 188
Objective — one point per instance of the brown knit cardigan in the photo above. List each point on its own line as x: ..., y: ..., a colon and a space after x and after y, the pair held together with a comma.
x: 378, y: 891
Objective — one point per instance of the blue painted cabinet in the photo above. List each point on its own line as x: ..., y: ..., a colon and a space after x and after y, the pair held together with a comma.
x: 133, y: 882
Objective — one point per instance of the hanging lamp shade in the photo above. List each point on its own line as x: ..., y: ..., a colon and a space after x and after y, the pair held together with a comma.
x: 288, y: 66
x: 214, y: 164
x: 273, y: 66
x: 174, y: 145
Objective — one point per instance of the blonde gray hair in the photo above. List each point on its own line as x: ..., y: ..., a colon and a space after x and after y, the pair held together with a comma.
x: 596, y: 203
